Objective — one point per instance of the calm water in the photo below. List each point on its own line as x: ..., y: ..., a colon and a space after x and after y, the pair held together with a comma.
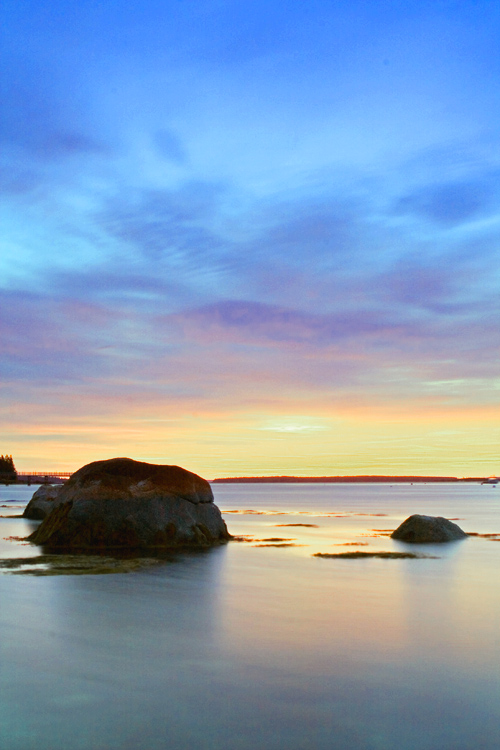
x: 265, y: 647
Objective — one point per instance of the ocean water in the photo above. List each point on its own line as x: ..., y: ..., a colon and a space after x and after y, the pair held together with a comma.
x: 252, y: 646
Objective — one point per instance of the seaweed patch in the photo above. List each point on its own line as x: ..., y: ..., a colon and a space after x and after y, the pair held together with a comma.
x: 243, y: 538
x: 52, y: 565
x: 280, y: 544
x: 275, y: 539
x: 305, y: 525
x: 384, y: 555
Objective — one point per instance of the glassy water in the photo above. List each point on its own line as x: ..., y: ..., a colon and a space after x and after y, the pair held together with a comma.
x: 251, y: 646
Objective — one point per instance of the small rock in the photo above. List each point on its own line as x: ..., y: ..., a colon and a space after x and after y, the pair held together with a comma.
x: 428, y: 530
x: 45, y: 499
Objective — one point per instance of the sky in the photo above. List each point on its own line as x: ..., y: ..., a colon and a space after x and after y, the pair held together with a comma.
x: 251, y: 238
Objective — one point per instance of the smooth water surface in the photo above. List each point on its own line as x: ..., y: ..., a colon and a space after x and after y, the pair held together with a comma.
x: 251, y: 646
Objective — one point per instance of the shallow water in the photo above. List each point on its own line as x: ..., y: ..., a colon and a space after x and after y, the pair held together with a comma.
x: 248, y: 646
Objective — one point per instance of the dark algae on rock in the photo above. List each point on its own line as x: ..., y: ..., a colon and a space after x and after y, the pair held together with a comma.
x: 125, y: 504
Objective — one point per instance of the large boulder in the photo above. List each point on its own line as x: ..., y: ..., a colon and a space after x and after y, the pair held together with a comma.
x: 126, y: 504
x: 43, y: 501
x: 427, y: 530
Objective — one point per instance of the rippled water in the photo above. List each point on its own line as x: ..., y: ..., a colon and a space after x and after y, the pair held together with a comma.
x: 251, y: 646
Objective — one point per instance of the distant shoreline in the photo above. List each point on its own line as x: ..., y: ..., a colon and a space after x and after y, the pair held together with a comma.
x: 284, y: 479
x: 365, y: 478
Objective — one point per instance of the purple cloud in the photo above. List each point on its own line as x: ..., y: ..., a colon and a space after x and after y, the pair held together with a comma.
x: 248, y: 321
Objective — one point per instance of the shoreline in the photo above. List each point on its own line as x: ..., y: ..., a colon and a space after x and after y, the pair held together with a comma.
x: 362, y: 479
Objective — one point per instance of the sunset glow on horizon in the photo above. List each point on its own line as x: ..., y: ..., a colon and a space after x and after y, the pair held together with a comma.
x: 252, y: 238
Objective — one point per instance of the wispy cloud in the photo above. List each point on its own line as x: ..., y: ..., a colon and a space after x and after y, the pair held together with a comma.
x: 453, y: 203
x: 247, y: 208
x: 246, y: 321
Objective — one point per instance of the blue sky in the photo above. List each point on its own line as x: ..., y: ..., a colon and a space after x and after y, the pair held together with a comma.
x: 234, y: 232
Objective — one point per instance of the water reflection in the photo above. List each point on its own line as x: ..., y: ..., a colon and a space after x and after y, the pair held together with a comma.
x: 117, y: 655
x: 312, y: 613
x: 246, y: 647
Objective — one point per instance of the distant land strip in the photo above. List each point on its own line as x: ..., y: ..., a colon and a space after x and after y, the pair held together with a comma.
x: 367, y: 478
x: 59, y: 477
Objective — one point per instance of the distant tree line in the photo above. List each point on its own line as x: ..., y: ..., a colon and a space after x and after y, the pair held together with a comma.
x: 8, y: 471
x: 365, y: 478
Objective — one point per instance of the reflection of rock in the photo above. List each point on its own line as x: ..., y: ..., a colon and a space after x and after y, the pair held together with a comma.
x: 121, y: 503
x: 43, y: 501
x: 428, y: 529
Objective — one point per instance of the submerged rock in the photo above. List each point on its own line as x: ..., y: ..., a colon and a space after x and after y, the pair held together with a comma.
x: 428, y: 529
x: 45, y: 499
x: 126, y: 504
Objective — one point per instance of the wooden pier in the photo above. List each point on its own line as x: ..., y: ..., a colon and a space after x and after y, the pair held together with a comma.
x: 40, y: 477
